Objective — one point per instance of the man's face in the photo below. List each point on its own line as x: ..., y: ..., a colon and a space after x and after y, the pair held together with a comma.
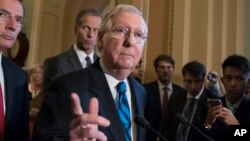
x: 123, y: 53
x: 193, y: 84
x: 86, y: 33
x: 235, y: 82
x: 164, y: 72
x: 11, y: 20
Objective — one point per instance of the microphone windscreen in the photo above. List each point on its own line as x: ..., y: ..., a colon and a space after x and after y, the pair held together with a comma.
x: 181, y: 118
x: 140, y: 121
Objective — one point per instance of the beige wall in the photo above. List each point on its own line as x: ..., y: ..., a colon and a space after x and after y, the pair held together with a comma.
x: 207, y: 31
x: 157, y: 43
x: 204, y: 30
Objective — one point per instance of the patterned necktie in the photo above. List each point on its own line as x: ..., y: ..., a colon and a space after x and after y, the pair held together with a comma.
x: 1, y: 114
x: 88, y: 61
x: 164, y: 103
x: 123, y: 109
x: 183, y: 130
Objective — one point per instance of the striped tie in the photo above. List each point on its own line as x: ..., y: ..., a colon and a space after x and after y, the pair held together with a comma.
x: 123, y: 109
x: 88, y: 61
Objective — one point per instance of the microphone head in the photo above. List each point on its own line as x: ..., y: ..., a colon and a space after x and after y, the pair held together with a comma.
x: 142, y: 122
x: 181, y: 118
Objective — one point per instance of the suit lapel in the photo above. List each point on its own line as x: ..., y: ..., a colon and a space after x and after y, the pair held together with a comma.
x: 107, y: 107
x: 138, y: 103
x: 201, y: 106
x: 8, y: 72
x: 74, y: 60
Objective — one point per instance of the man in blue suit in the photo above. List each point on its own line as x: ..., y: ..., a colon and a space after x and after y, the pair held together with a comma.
x: 14, y: 101
x: 121, y: 41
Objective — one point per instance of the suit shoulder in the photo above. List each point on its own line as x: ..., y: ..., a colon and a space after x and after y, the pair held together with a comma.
x: 13, y: 66
x: 60, y: 56
x: 150, y: 84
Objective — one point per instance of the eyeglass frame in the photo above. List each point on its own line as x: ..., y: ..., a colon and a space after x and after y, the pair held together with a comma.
x: 125, y: 32
x: 5, y: 16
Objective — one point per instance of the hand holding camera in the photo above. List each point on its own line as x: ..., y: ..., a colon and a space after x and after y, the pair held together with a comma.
x: 212, y: 77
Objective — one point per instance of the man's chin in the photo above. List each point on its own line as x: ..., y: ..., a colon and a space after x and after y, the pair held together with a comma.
x: 6, y: 46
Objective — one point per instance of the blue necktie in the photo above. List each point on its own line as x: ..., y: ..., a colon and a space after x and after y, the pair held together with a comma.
x: 123, y: 109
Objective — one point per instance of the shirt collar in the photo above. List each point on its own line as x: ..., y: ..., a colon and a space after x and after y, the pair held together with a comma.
x: 198, y: 95
x: 82, y: 55
x: 235, y: 105
x: 161, y: 86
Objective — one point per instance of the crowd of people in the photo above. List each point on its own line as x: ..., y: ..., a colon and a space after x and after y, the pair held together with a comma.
x: 77, y: 95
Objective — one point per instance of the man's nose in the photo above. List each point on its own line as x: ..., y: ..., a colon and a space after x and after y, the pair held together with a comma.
x: 11, y: 24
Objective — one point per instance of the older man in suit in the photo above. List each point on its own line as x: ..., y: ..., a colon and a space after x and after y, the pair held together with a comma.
x: 81, y: 54
x: 14, y: 95
x: 121, y: 39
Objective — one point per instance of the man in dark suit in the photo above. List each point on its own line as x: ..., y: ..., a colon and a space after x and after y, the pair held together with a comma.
x: 121, y: 39
x: 235, y: 104
x: 86, y: 29
x: 14, y: 95
x: 164, y: 68
x: 191, y: 103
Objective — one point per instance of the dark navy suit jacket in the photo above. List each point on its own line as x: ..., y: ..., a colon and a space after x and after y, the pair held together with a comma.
x: 153, y: 107
x: 16, y: 102
x: 221, y: 131
x: 176, y: 105
x: 55, y: 115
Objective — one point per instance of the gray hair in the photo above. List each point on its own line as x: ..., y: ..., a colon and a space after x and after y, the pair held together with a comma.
x: 107, y: 20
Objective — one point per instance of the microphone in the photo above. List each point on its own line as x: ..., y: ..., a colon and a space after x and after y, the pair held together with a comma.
x: 142, y: 122
x: 184, y: 120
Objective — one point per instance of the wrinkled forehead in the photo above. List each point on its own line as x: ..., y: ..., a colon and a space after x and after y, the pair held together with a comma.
x: 130, y: 19
x: 14, y: 7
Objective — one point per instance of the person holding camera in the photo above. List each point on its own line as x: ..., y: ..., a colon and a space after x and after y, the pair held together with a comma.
x: 235, y: 106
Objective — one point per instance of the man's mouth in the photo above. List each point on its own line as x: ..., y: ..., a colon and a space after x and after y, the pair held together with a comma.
x: 8, y: 37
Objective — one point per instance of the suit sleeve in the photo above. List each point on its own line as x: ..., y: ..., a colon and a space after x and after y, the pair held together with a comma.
x: 51, y: 71
x: 53, y: 120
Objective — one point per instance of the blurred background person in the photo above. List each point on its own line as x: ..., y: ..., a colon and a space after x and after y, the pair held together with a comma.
x: 136, y: 73
x: 35, y: 88
x: 159, y: 92
x: 35, y: 82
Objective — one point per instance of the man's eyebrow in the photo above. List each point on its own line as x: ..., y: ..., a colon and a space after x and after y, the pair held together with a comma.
x: 4, y: 10
x: 7, y: 12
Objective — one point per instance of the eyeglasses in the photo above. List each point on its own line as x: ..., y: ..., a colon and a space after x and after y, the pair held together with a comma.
x: 6, y: 17
x: 122, y: 33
